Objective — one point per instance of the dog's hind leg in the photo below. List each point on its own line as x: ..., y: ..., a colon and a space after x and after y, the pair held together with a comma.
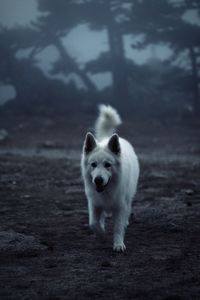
x: 102, y: 220
x: 128, y: 210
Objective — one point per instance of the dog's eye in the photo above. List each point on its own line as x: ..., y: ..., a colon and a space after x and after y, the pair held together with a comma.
x: 94, y: 164
x: 107, y: 165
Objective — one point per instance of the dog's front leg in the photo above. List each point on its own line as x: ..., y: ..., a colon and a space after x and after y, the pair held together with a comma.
x: 120, y: 222
x: 95, y: 219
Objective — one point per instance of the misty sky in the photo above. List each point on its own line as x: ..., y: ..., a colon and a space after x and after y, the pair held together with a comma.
x: 81, y: 43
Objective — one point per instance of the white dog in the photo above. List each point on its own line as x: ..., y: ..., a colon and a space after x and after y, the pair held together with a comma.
x: 110, y: 172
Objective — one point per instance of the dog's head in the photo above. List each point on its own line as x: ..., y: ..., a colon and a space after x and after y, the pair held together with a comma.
x: 101, y: 160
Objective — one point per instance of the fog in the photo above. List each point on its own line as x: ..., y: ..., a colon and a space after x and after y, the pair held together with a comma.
x: 103, y: 48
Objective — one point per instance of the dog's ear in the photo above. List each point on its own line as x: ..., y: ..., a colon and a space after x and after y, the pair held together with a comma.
x: 90, y: 143
x: 113, y: 144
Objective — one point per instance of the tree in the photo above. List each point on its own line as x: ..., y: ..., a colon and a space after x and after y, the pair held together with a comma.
x: 161, y: 22
x: 60, y: 17
x: 99, y: 14
x: 13, y: 71
x: 32, y: 87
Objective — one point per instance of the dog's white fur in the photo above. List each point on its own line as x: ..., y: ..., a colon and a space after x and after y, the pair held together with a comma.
x: 110, y: 171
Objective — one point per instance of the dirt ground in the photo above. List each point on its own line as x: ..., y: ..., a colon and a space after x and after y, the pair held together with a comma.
x: 46, y: 248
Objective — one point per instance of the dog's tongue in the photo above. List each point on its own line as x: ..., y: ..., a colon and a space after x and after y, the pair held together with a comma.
x: 100, y: 188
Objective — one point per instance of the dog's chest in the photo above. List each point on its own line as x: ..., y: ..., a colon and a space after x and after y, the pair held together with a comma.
x: 107, y: 201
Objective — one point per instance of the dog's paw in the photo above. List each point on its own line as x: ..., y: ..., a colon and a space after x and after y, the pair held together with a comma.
x: 119, y: 247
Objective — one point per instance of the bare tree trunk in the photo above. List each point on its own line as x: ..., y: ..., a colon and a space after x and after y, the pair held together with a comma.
x: 195, y: 82
x: 69, y: 64
x: 119, y: 73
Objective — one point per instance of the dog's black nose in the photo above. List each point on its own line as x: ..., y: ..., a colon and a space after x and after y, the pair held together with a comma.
x: 98, y: 180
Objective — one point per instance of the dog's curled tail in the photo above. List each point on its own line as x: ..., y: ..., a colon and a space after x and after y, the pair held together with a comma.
x: 107, y: 121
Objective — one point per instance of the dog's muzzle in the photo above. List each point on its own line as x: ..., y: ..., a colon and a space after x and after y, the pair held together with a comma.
x: 99, y: 184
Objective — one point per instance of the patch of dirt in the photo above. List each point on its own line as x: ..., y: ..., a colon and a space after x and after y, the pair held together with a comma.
x: 47, y: 250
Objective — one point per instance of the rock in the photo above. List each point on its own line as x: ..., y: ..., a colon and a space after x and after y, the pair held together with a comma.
x: 48, y: 144
x: 14, y: 243
x: 26, y: 196
x: 52, y: 145
x: 189, y: 192
x: 3, y: 135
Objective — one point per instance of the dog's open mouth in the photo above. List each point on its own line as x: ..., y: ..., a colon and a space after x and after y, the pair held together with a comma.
x: 100, y: 188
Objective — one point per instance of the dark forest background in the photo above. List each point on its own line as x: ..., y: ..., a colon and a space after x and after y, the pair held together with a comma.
x: 159, y: 88
x: 47, y: 250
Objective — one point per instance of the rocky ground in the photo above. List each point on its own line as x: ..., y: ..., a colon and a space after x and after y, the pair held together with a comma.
x: 46, y: 248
